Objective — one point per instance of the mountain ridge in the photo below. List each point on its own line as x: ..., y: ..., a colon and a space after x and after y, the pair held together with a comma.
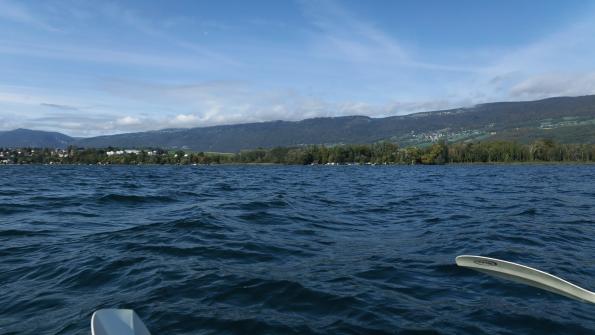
x: 20, y: 138
x: 564, y: 119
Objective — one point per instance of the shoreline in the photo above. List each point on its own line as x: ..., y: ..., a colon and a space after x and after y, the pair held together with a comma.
x: 319, y: 165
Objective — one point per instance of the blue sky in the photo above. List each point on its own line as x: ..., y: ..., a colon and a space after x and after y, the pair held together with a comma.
x: 99, y: 67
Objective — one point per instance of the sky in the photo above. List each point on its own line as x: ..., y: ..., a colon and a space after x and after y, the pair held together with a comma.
x: 88, y: 68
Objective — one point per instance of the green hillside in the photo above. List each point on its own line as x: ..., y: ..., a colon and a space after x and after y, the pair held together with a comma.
x: 564, y: 120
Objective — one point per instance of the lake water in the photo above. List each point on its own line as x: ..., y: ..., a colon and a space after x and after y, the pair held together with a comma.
x: 293, y: 249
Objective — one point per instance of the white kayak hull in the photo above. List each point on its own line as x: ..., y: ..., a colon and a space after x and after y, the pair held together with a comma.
x: 117, y: 322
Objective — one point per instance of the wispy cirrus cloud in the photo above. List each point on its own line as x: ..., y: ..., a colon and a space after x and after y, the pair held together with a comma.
x: 100, y: 21
x: 343, y: 35
x: 19, y: 13
x: 559, y: 64
x: 555, y: 84
x: 59, y: 107
x: 135, y: 58
x: 549, y: 66
x: 348, y: 36
x: 158, y: 29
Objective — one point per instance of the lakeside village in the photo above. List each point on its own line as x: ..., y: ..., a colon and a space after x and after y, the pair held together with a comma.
x: 73, y: 155
x: 440, y: 152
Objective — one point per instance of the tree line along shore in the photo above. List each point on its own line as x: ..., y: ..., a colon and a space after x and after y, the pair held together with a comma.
x: 440, y: 152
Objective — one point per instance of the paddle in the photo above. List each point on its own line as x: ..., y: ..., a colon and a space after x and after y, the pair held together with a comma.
x: 117, y: 322
x: 526, y: 275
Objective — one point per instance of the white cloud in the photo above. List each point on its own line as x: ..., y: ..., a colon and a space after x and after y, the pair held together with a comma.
x: 560, y: 64
x: 569, y: 50
x: 216, y: 103
x: 555, y: 84
x: 202, y: 104
x: 128, y: 121
x: 185, y: 120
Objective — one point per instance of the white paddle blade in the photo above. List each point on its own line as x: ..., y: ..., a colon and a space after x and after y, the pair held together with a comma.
x: 117, y: 322
x: 525, y: 275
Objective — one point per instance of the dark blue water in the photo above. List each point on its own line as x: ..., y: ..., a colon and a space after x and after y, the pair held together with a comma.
x: 293, y: 250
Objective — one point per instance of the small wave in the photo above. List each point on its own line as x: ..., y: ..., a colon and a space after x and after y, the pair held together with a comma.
x: 23, y: 233
x: 205, y: 222
x: 210, y: 253
x: 520, y: 321
x: 97, y: 272
x: 378, y: 273
x: 306, y: 232
x: 34, y: 304
x: 131, y: 186
x: 259, y: 205
x: 80, y: 213
x: 9, y: 209
x: 89, y: 278
x: 259, y: 217
x: 279, y: 252
x: 224, y: 187
x: 10, y: 193
x: 459, y: 217
x: 433, y: 220
x: 285, y: 295
x: 134, y: 199
x: 528, y: 212
x: 377, y: 210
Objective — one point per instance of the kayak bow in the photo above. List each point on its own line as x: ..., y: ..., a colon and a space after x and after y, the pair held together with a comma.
x: 117, y: 322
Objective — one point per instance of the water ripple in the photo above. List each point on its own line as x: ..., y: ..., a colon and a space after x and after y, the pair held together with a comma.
x: 293, y: 250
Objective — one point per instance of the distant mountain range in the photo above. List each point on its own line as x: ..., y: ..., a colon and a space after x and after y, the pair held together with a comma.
x: 22, y: 138
x: 564, y: 119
